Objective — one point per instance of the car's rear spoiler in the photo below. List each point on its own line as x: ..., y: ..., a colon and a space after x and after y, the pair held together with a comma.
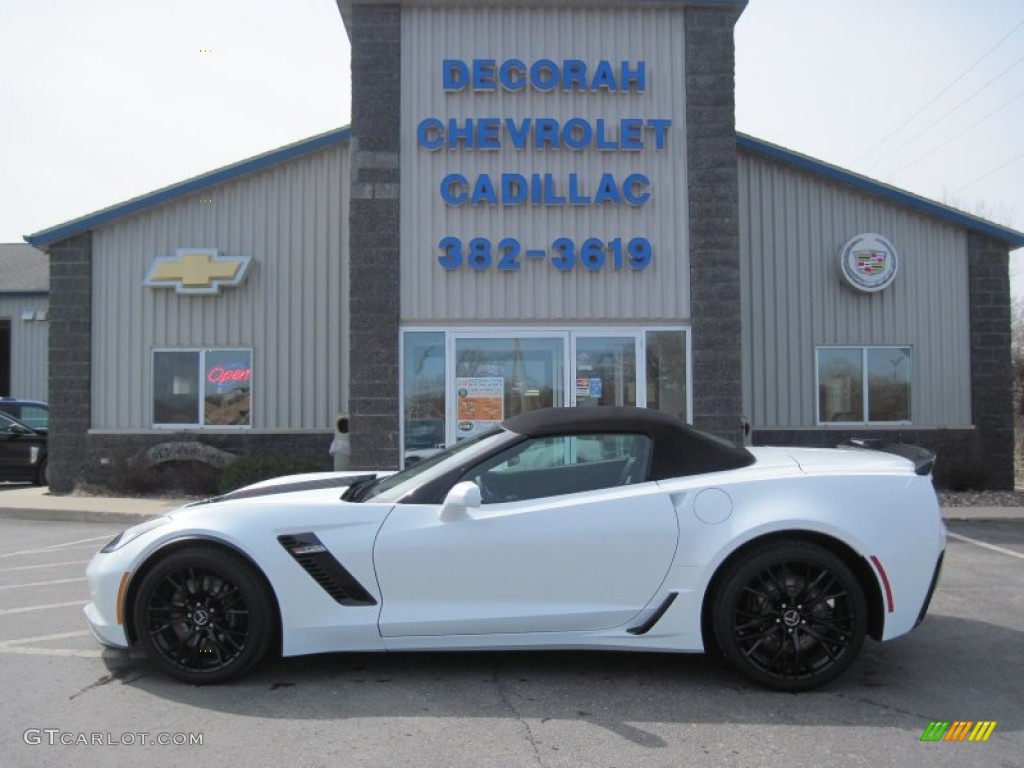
x: 924, y: 460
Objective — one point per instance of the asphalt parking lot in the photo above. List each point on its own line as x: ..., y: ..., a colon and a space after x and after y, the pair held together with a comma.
x: 505, y: 709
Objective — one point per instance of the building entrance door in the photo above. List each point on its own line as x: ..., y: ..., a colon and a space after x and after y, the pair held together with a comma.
x: 496, y: 378
x: 460, y: 382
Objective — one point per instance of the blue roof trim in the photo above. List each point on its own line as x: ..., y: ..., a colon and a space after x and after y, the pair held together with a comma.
x: 848, y: 178
x: 219, y: 176
x: 22, y: 294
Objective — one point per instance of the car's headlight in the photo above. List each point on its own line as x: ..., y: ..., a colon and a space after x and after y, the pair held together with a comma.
x: 130, y: 534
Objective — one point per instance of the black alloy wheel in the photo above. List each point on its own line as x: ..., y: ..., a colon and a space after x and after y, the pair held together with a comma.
x: 791, y: 616
x: 203, y: 615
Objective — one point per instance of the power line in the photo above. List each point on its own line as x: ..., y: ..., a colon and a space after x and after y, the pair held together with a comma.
x: 951, y: 139
x: 935, y: 98
x: 995, y: 170
x: 946, y: 114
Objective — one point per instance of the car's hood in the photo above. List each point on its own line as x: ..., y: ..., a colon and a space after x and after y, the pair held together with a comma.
x: 309, y: 488
x: 336, y: 479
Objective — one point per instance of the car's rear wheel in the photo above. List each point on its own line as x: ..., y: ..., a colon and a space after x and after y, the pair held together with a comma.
x: 203, y: 615
x: 790, y: 616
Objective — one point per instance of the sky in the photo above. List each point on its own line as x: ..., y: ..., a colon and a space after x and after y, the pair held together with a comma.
x: 107, y: 100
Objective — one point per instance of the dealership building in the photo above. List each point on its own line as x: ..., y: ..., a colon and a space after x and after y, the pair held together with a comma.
x: 534, y: 205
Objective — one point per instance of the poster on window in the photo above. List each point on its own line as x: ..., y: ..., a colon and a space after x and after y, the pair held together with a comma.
x: 480, y: 404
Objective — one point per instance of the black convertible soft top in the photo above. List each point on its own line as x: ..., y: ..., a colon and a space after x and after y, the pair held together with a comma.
x: 679, y: 449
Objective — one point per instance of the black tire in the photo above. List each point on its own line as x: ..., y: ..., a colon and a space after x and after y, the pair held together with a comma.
x: 790, y: 616
x: 44, y: 467
x: 204, y: 615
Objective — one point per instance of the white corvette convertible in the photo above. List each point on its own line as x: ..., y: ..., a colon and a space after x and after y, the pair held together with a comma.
x: 610, y: 528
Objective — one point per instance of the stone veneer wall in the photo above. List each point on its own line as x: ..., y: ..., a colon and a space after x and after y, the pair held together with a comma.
x: 70, y: 360
x: 714, y: 220
x: 375, y: 34
x: 988, y: 277
x: 126, y: 470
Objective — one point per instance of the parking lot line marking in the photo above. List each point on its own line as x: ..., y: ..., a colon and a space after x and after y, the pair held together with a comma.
x: 48, y: 606
x: 72, y: 652
x: 21, y: 646
x: 43, y: 565
x: 44, y: 638
x: 986, y: 545
x: 77, y: 544
x: 79, y: 541
x: 41, y: 583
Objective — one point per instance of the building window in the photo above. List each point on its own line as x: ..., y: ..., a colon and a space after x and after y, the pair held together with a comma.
x: 864, y: 385
x: 456, y: 383
x: 202, y: 388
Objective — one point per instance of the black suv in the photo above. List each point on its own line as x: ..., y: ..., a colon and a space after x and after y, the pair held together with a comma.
x: 22, y: 451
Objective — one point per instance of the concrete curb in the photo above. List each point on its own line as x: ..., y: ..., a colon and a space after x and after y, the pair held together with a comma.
x: 73, y: 515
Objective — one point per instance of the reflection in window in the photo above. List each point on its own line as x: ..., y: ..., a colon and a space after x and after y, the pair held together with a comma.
x: 889, y: 384
x: 564, y: 464
x: 202, y: 387
x: 527, y: 371
x: 666, y: 372
x: 864, y: 384
x: 605, y: 370
x: 423, y: 369
x: 176, y: 387
x: 228, y: 387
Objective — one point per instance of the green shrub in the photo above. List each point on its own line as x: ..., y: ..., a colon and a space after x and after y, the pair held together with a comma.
x: 246, y: 470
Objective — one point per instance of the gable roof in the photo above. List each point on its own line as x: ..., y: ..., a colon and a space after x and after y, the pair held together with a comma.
x: 23, y: 269
x: 189, y: 186
x: 744, y: 143
x: 834, y: 173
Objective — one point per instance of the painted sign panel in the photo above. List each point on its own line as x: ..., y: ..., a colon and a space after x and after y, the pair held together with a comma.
x: 543, y: 164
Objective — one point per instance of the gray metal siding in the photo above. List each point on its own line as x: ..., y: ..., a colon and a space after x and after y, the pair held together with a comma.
x: 29, y: 345
x: 539, y: 292
x: 292, y: 311
x: 792, y: 227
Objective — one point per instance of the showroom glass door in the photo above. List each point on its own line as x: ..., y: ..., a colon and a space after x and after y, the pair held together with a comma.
x: 496, y: 377
x: 605, y: 370
x: 457, y: 383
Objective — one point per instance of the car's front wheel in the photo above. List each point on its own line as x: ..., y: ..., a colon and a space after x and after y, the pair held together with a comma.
x: 790, y: 616
x: 42, y: 473
x: 203, y: 615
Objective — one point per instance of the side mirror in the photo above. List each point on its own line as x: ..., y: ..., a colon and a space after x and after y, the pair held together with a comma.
x: 460, y: 499
x: 17, y: 429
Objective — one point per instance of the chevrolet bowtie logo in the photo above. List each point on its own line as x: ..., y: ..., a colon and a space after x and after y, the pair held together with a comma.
x: 197, y: 270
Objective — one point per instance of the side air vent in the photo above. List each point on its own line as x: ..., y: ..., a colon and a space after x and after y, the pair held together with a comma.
x: 655, y: 617
x: 312, y: 555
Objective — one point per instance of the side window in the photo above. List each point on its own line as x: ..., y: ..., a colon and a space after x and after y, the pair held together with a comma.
x: 35, y: 417
x: 564, y: 464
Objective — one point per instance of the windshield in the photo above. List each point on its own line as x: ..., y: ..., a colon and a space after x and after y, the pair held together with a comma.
x: 395, y: 486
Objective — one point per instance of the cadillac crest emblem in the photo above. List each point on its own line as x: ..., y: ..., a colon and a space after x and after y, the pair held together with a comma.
x: 868, y: 263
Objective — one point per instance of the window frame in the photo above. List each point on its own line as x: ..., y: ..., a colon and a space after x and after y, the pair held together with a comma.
x: 864, y: 350
x: 200, y: 382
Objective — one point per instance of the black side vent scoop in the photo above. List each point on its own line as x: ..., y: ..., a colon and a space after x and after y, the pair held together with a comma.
x: 312, y: 555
